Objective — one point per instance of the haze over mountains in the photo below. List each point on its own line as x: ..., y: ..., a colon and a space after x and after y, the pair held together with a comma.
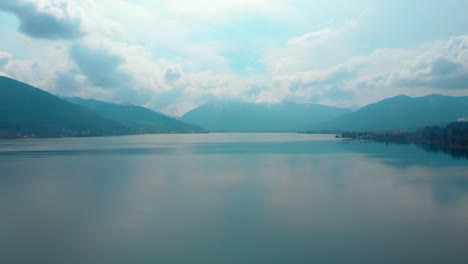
x: 26, y: 111
x: 235, y: 116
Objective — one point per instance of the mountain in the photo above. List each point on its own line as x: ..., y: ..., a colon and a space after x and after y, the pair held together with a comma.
x: 235, y: 116
x: 139, y: 119
x: 26, y: 111
x: 401, y: 113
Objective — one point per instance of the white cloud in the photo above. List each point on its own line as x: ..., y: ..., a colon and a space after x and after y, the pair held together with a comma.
x: 435, y: 68
x: 51, y: 19
x: 316, y: 49
x: 441, y: 67
x: 158, y: 54
x: 5, y: 59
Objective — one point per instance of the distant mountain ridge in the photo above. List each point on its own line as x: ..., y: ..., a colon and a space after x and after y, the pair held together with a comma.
x: 400, y: 113
x: 26, y: 111
x: 236, y: 116
x: 29, y: 112
x: 138, y: 118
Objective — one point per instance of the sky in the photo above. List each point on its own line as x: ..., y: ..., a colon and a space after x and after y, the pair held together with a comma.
x: 173, y: 55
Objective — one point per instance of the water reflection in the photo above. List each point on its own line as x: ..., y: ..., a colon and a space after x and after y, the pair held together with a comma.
x: 231, y: 202
x: 445, y: 174
x: 458, y: 152
x: 403, y: 155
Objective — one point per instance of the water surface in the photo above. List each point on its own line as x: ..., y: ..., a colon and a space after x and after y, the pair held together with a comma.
x: 230, y: 198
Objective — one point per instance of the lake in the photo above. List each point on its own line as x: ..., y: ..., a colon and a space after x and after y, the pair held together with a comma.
x: 230, y: 198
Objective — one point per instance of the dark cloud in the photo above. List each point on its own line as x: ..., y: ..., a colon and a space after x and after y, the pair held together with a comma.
x: 455, y: 82
x: 440, y: 73
x: 444, y: 66
x: 102, y: 69
x: 172, y: 74
x: 448, y: 74
x: 100, y: 66
x: 39, y: 24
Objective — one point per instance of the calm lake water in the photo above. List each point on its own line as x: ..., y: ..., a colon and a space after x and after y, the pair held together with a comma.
x: 230, y: 198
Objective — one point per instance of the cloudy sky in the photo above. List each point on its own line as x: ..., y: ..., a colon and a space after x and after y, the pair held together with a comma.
x: 173, y: 55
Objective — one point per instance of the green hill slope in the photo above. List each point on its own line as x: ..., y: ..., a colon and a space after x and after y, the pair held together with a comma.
x: 26, y: 111
x: 401, y: 113
x: 139, y: 119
